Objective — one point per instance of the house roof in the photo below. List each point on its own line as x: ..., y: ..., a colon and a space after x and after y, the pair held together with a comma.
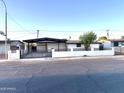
x: 10, y: 41
x: 77, y: 42
x: 46, y: 39
x: 117, y: 40
x: 73, y: 42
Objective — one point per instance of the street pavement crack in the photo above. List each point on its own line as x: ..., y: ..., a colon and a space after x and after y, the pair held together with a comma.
x: 26, y: 85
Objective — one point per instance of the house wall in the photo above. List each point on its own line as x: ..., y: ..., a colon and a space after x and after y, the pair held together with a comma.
x: 41, y: 47
x: 2, y: 48
x: 118, y: 44
x: 16, y: 43
x: 107, y: 44
x: 20, y: 45
x: 62, y: 46
x: 94, y: 46
x: 69, y: 46
x: 51, y: 46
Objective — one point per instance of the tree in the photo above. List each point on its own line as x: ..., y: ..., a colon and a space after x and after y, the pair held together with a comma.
x: 102, y: 39
x: 87, y: 38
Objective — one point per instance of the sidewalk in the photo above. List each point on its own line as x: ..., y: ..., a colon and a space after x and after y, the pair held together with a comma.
x: 57, y: 59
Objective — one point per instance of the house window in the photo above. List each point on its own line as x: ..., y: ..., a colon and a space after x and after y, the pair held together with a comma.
x: 79, y: 45
x: 116, y: 44
x: 122, y: 43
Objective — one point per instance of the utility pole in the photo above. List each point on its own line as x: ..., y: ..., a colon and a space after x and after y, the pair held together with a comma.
x: 37, y: 33
x: 6, y: 52
x: 107, y: 33
x: 69, y: 37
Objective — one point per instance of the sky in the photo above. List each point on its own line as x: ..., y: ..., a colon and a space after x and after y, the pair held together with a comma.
x: 62, y: 18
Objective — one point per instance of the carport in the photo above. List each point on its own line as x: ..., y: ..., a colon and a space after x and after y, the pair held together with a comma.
x: 39, y: 46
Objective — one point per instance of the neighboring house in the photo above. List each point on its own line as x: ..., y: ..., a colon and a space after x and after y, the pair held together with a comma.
x: 77, y: 44
x: 11, y: 44
x: 118, y: 45
x: 117, y: 42
x: 74, y: 44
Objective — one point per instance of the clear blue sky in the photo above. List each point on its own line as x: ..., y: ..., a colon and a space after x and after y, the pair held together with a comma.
x: 67, y: 15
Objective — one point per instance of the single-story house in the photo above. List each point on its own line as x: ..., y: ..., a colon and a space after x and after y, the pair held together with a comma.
x: 44, y: 44
x: 11, y: 44
x: 118, y: 45
x: 42, y: 47
x: 117, y: 42
x: 47, y: 44
x: 77, y: 44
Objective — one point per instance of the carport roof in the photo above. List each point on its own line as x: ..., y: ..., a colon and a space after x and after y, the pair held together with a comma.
x: 46, y: 39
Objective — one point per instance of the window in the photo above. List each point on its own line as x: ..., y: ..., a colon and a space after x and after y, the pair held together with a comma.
x: 116, y: 44
x: 78, y: 45
x: 122, y: 43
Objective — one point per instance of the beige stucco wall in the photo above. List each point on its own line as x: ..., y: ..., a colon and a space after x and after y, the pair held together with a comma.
x: 62, y: 46
x: 41, y: 47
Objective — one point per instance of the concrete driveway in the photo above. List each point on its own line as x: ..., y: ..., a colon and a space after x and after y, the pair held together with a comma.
x: 92, y: 75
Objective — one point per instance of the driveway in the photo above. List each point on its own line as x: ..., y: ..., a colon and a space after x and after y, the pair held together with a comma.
x: 95, y: 75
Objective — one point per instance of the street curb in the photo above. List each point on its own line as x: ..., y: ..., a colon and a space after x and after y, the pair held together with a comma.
x: 59, y: 59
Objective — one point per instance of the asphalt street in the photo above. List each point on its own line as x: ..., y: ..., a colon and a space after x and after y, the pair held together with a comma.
x: 92, y: 75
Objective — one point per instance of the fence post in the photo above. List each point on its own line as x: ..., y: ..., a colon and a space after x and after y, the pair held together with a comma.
x: 53, y: 50
x: 71, y: 49
x: 92, y: 48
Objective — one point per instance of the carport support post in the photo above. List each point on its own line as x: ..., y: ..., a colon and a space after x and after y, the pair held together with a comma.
x: 66, y: 47
x: 46, y: 47
x: 58, y: 46
x: 28, y: 47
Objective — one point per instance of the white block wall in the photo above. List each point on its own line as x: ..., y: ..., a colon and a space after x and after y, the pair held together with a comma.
x: 82, y: 53
x: 15, y: 55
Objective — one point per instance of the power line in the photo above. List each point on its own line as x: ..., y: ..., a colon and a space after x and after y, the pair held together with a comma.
x: 17, y: 23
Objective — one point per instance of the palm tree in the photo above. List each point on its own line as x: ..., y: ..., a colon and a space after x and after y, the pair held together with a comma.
x: 87, y: 38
